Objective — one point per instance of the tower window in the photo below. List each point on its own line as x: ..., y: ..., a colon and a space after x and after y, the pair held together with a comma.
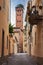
x: 18, y: 21
x: 17, y: 10
x: 18, y: 14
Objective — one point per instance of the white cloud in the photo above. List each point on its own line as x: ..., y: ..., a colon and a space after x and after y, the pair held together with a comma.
x: 13, y: 16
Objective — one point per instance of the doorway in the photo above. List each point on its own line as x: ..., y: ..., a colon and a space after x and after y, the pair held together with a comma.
x: 2, y: 43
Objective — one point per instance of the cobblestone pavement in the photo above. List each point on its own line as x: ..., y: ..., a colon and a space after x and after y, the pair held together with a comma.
x: 20, y: 59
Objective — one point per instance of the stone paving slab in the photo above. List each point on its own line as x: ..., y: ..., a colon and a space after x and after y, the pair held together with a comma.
x: 21, y: 59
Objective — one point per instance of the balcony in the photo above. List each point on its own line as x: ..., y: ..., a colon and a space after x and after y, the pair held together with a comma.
x: 35, y: 19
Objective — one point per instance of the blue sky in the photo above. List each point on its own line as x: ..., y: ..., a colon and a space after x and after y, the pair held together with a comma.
x: 14, y: 3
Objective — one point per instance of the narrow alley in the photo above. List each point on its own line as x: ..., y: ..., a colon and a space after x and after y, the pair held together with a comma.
x: 21, y: 59
x: 21, y: 32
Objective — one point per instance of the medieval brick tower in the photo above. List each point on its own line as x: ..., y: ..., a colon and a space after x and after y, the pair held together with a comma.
x: 19, y: 23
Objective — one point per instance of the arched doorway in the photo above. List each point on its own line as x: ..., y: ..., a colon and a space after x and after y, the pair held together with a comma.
x: 2, y: 43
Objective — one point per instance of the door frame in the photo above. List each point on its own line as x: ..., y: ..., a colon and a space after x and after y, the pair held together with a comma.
x: 2, y: 53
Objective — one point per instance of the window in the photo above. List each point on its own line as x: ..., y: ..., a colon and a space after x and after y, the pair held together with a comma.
x: 17, y: 10
x: 18, y: 21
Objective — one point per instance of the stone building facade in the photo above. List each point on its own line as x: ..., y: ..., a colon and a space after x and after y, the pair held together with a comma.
x: 4, y: 32
x: 35, y: 18
x: 26, y: 38
x: 37, y: 28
